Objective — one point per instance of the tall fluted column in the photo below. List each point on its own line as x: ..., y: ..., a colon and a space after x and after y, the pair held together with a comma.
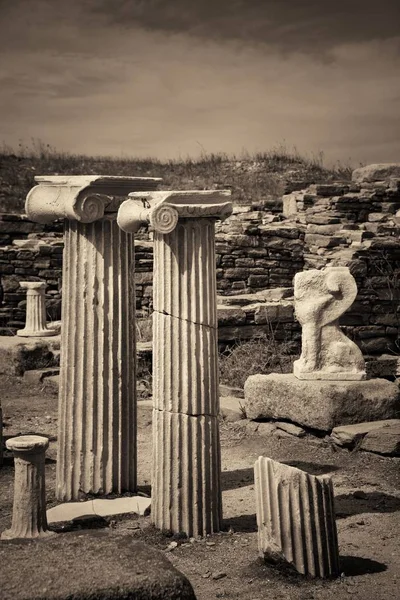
x: 29, y: 509
x: 35, y: 325
x: 186, y: 490
x: 97, y: 399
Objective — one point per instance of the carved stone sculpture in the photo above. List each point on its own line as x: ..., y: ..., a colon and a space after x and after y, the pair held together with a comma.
x: 29, y: 510
x: 35, y: 311
x: 321, y: 297
x: 296, y: 518
x: 97, y: 399
x: 186, y: 490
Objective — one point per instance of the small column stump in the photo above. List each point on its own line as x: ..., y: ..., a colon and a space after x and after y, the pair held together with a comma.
x: 29, y: 510
x: 35, y: 325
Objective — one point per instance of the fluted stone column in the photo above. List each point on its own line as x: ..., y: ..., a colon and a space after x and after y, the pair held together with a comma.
x: 97, y: 399
x: 296, y: 518
x: 186, y: 490
x: 29, y: 509
x: 35, y: 325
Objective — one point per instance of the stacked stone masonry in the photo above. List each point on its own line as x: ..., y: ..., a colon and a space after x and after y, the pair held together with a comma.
x: 354, y: 224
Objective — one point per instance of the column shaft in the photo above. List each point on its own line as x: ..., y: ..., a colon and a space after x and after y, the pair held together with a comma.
x: 97, y: 403
x: 186, y: 492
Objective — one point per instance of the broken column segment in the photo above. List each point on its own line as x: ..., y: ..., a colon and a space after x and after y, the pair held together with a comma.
x: 321, y: 297
x: 186, y: 490
x: 29, y: 509
x: 296, y: 518
x: 97, y: 398
x: 35, y: 325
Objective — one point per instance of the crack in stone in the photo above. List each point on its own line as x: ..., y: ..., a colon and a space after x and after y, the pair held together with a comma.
x: 183, y: 414
x: 164, y: 313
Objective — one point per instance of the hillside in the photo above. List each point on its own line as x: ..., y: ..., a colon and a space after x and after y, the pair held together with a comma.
x: 254, y: 178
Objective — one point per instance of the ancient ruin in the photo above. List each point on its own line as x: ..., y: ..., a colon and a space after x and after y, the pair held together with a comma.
x: 320, y: 298
x: 35, y: 311
x: 327, y: 387
x: 296, y: 518
x: 97, y: 403
x: 29, y: 509
x: 186, y: 490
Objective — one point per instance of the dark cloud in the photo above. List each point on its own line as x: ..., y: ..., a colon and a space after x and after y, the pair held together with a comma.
x: 308, y: 25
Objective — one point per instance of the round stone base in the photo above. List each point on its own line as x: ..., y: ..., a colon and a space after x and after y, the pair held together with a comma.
x: 40, y: 333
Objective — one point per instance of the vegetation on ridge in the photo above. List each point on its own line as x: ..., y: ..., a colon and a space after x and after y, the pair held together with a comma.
x: 251, y: 177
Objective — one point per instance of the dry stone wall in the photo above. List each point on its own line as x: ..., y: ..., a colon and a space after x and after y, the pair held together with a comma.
x: 28, y: 252
x: 357, y: 225
x: 258, y: 252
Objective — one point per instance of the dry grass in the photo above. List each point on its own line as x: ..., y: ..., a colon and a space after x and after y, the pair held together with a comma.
x: 260, y: 355
x: 251, y: 177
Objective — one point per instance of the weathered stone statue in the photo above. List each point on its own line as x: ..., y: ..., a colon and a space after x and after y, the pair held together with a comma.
x: 321, y: 297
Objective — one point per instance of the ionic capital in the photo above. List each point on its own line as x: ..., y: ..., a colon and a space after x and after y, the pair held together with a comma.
x: 85, y: 198
x: 163, y: 209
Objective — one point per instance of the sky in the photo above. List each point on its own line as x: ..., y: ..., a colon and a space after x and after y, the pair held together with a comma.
x: 178, y: 78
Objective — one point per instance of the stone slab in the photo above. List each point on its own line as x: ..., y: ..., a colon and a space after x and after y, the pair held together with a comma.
x: 227, y: 390
x: 98, y: 507
x: 376, y: 172
x: 383, y: 441
x: 349, y: 435
x: 320, y: 405
x: 101, y: 565
x: 36, y: 376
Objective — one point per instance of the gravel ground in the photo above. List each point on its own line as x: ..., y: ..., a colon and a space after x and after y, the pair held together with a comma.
x: 226, y: 565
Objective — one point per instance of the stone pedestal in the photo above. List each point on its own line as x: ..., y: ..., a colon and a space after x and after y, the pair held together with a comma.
x: 29, y: 509
x: 186, y: 490
x: 296, y: 518
x: 320, y: 405
x: 97, y: 401
x: 35, y: 311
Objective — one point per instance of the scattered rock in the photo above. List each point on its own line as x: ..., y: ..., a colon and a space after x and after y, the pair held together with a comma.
x: 36, y: 376
x: 383, y: 441
x: 171, y: 546
x: 382, y: 437
x: 377, y: 172
x: 266, y: 428
x: 218, y: 575
x: 291, y: 428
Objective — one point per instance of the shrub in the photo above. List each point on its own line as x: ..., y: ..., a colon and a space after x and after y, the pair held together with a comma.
x: 262, y: 354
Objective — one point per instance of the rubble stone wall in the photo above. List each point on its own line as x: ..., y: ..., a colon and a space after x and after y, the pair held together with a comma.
x: 258, y: 252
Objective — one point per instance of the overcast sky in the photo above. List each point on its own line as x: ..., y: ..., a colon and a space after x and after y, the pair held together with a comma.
x: 175, y: 78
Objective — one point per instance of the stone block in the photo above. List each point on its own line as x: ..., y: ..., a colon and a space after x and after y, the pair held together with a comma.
x: 230, y: 315
x: 114, y: 567
x: 383, y: 441
x: 376, y: 172
x: 320, y: 405
x: 350, y: 435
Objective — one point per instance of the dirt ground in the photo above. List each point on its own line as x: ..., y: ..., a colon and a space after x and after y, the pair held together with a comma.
x: 227, y: 565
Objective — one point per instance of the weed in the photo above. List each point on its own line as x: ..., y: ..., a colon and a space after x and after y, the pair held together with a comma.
x: 260, y: 355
